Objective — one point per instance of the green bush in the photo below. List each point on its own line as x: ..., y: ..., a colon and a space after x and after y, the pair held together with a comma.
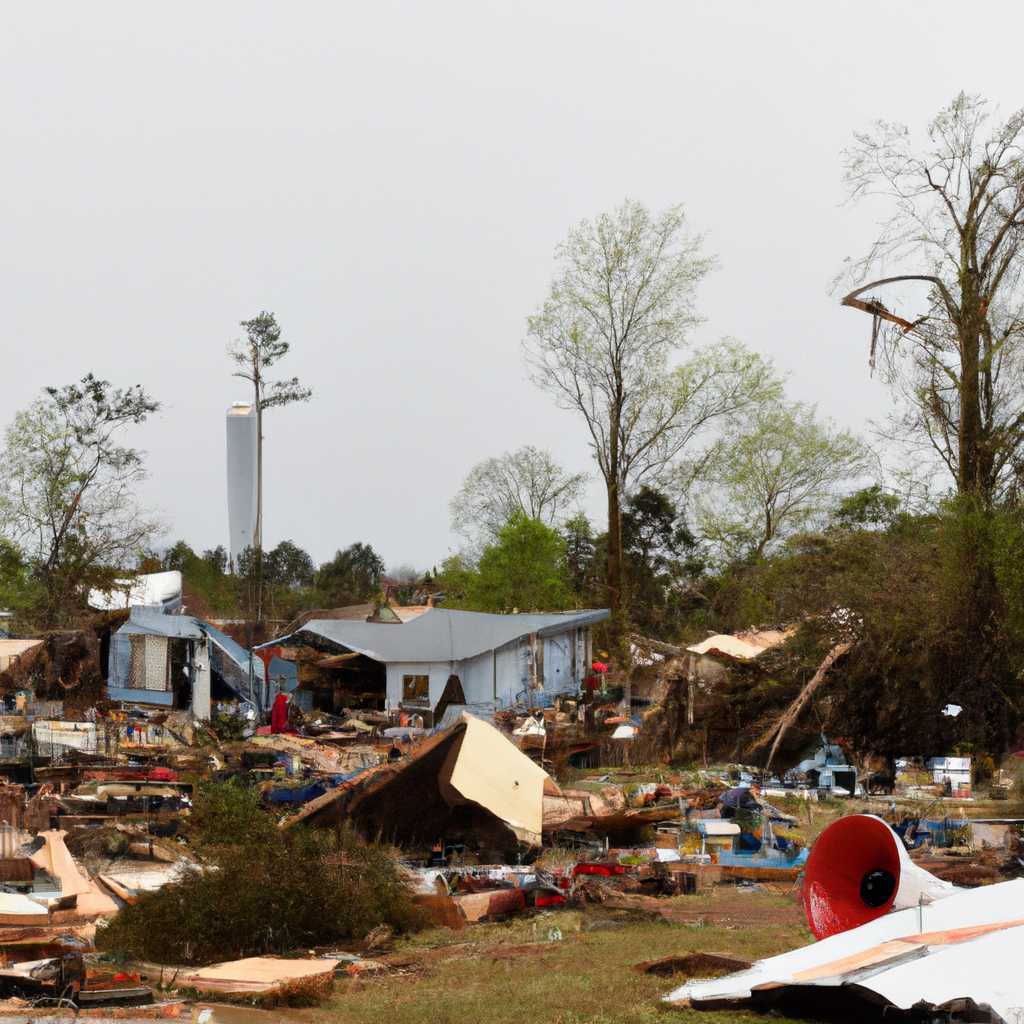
x: 261, y: 890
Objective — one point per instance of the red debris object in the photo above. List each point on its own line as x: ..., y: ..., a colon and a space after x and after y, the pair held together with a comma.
x: 599, y: 666
x: 603, y: 870
x: 549, y: 899
x: 131, y: 775
x: 852, y: 856
x: 279, y: 714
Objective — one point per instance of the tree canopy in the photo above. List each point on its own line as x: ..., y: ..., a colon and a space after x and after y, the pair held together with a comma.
x: 67, y: 490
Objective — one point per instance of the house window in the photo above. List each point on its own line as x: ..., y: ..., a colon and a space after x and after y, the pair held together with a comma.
x: 416, y: 689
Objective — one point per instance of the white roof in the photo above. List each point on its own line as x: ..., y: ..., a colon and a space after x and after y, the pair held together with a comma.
x: 148, y: 590
x: 440, y: 634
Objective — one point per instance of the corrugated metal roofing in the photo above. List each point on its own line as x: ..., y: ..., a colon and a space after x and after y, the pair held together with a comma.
x: 441, y: 634
x: 966, y: 946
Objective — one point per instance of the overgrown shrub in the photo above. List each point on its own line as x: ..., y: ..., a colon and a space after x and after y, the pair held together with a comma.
x: 262, y: 890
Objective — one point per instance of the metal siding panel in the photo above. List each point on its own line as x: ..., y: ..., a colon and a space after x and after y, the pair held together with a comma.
x: 558, y: 664
x: 510, y: 673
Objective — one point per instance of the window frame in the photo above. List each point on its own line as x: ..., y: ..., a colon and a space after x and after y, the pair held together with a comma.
x: 418, y: 679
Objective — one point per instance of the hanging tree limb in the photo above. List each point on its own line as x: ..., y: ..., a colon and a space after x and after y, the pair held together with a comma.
x: 880, y: 312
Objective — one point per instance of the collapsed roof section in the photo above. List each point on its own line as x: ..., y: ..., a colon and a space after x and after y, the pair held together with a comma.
x: 742, y: 646
x: 469, y: 778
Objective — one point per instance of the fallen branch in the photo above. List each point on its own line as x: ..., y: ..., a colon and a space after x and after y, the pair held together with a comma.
x: 793, y: 711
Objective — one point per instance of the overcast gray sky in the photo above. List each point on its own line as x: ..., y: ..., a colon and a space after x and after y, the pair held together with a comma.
x: 391, y: 180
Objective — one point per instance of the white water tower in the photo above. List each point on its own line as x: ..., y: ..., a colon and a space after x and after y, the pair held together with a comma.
x: 241, y: 437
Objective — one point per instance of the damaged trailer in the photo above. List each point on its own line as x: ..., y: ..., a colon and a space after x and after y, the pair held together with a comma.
x: 179, y: 661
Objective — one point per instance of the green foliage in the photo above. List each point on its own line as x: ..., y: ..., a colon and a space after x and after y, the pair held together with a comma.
x: 524, y: 570
x: 262, y: 890
x: 209, y: 589
x: 932, y: 625
x: 870, y: 506
x: 67, y: 492
x: 19, y: 591
x: 260, y: 350
x: 351, y: 577
x: 661, y: 563
x: 455, y: 578
x: 776, y: 477
x: 527, y: 480
x: 228, y: 813
x: 287, y: 565
x: 582, y: 566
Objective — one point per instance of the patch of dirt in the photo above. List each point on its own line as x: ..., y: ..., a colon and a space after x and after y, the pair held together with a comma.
x: 693, y: 965
x: 725, y: 908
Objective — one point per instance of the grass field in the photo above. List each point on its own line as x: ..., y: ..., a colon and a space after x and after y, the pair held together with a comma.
x: 505, y: 973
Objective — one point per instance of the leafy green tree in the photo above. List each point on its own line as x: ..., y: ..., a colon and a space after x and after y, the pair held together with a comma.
x: 208, y: 589
x: 523, y: 570
x: 67, y: 485
x: 777, y: 476
x: 287, y: 565
x: 652, y: 528
x: 351, y: 577
x: 660, y: 561
x: 19, y: 592
x: 455, y: 579
x: 216, y: 558
x: 603, y: 343
x: 179, y: 556
x: 870, y: 506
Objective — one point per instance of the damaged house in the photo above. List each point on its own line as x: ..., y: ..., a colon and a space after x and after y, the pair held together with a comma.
x: 179, y: 662
x: 438, y: 659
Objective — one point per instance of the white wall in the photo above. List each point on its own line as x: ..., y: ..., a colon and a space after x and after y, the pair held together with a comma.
x: 558, y: 663
x: 500, y: 675
x: 477, y: 676
x: 438, y: 671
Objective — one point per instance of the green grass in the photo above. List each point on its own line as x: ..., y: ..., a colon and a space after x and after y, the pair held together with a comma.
x: 586, y: 978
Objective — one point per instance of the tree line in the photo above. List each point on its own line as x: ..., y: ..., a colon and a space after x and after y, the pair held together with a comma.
x: 727, y: 503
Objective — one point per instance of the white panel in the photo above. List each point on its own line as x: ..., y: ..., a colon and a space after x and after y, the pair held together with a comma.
x: 558, y: 664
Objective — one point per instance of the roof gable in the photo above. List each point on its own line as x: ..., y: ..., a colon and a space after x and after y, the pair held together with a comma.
x: 440, y: 634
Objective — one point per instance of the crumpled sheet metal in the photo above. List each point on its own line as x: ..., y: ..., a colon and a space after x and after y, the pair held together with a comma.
x: 965, y: 948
